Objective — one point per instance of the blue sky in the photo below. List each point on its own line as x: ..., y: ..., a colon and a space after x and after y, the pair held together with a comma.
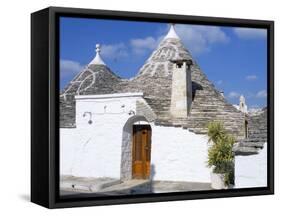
x: 234, y: 59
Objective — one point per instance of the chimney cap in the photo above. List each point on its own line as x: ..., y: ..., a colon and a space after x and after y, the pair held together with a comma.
x: 181, y: 61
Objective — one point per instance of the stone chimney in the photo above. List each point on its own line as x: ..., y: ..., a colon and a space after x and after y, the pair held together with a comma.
x: 181, y: 97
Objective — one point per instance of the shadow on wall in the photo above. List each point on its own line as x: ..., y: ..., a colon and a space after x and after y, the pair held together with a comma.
x: 152, y: 175
x: 195, y: 87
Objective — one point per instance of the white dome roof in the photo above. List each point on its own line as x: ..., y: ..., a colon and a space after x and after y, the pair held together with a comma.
x: 97, y: 60
x: 172, y: 33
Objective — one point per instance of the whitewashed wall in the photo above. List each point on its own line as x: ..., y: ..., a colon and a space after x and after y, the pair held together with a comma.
x: 179, y: 155
x: 251, y: 170
x: 95, y: 150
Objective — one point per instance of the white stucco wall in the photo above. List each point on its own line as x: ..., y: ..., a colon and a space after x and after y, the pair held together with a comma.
x: 70, y: 145
x: 95, y: 150
x: 179, y: 155
x: 251, y: 170
x: 86, y: 153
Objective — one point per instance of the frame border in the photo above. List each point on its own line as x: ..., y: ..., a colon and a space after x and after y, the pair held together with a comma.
x: 51, y: 181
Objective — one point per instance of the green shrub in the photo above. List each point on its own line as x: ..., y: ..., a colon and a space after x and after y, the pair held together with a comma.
x: 220, y: 154
x: 215, y: 131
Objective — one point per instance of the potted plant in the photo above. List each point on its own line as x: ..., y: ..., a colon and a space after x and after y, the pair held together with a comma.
x: 220, y: 156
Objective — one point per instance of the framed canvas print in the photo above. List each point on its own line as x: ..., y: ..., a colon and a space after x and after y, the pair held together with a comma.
x: 138, y: 107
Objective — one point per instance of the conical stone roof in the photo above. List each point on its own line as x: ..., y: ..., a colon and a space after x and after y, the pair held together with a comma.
x: 96, y: 78
x: 158, y: 64
x: 154, y: 79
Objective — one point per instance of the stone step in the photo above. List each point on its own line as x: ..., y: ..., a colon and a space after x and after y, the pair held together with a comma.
x: 198, y: 130
x: 252, y: 144
x: 129, y: 187
x: 245, y: 150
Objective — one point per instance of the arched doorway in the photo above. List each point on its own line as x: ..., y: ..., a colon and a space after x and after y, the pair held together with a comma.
x: 136, y: 149
x: 141, y: 151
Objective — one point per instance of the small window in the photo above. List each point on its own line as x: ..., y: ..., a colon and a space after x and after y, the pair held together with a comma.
x: 179, y: 65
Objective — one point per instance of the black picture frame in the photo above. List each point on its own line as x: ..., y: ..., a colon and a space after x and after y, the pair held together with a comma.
x: 45, y: 106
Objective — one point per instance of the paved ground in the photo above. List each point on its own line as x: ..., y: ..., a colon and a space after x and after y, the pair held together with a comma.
x: 86, y: 185
x: 94, y: 187
x: 169, y: 186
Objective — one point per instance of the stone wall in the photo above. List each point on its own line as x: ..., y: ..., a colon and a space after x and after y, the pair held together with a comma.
x: 143, y: 109
x: 257, y: 134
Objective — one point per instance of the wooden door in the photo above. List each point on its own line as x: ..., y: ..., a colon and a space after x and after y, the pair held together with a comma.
x: 141, y: 151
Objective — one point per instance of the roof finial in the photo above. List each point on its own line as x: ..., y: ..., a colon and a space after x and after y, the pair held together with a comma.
x: 97, y: 48
x: 242, y: 98
x: 172, y: 33
x: 97, y: 60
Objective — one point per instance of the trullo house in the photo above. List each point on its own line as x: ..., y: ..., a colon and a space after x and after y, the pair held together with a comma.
x: 152, y: 126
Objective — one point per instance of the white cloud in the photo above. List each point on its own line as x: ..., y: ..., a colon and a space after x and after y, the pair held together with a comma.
x: 69, y: 68
x: 141, y: 45
x: 261, y: 94
x: 251, y: 77
x: 250, y: 94
x: 114, y: 51
x: 147, y: 43
x: 233, y: 94
x: 199, y: 39
x: 250, y: 33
